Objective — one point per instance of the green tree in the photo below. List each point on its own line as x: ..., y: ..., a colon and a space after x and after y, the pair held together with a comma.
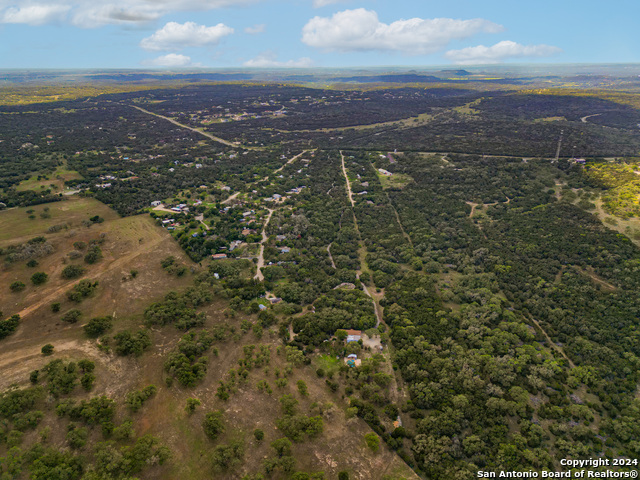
x: 373, y: 441
x: 47, y: 349
x: 98, y: 325
x: 72, y: 271
x: 213, y: 425
x: 192, y: 403
x: 39, y: 278
x: 17, y: 286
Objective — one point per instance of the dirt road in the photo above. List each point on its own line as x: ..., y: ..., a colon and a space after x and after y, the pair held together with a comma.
x: 259, y: 276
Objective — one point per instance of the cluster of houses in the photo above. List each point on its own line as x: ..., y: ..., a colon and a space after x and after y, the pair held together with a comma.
x: 277, y: 198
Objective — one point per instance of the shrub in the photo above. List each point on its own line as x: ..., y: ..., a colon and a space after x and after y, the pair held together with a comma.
x: 128, y: 343
x: 226, y: 456
x: 72, y: 271
x: 93, y: 255
x: 32, y: 263
x: 39, y: 278
x: 47, y: 349
x: 87, y: 380
x: 135, y: 399
x: 259, y: 434
x: 212, y: 424
x: 72, y: 316
x: 98, y: 325
x: 192, y: 403
x: 81, y: 290
x: 55, y: 307
x: 373, y: 441
x: 8, y: 326
x: 76, y: 436
x: 17, y: 286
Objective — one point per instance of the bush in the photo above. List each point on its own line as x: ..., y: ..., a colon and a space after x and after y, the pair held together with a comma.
x: 93, y: 255
x: 76, y: 436
x: 192, y: 403
x: 87, y: 380
x: 373, y: 441
x: 128, y: 343
x: 39, y: 278
x: 81, y: 290
x: 47, y: 349
x: 8, y: 326
x: 98, y: 325
x: 226, y: 456
x: 135, y: 399
x: 55, y: 307
x: 72, y: 271
x: 72, y: 316
x: 259, y: 434
x: 17, y: 286
x: 32, y: 263
x: 212, y: 424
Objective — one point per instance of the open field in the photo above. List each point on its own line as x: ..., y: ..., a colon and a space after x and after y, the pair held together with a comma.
x: 54, y: 180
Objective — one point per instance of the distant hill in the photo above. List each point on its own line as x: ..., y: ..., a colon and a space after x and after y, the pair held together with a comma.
x: 458, y: 73
x: 406, y: 78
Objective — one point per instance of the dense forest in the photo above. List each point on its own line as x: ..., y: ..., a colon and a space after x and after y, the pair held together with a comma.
x: 496, y: 312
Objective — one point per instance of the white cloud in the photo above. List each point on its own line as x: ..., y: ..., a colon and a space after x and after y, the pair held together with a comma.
x: 498, y: 52
x: 256, y: 29
x: 170, y: 60
x: 361, y: 30
x: 174, y: 36
x: 92, y: 13
x: 324, y: 3
x: 35, y: 14
x: 270, y: 59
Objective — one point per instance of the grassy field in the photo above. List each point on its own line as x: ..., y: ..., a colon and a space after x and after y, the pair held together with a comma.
x: 55, y: 181
x: 396, y: 181
x: 16, y: 226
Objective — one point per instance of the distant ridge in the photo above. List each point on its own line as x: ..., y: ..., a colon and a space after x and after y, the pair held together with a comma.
x: 458, y: 73
x: 401, y: 78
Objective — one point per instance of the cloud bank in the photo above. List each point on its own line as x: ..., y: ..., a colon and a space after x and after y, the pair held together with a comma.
x: 360, y: 30
x: 499, y: 52
x: 34, y: 14
x: 175, y: 36
x: 169, y: 60
x: 91, y: 14
x: 270, y: 59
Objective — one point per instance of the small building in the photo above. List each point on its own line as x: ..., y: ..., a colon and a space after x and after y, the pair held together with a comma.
x: 156, y: 203
x: 285, y: 250
x: 262, y: 307
x: 281, y: 238
x: 353, y: 335
x: 384, y: 172
x: 275, y: 300
x: 219, y: 256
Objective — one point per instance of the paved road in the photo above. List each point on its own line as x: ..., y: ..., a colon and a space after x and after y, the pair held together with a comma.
x: 205, y: 134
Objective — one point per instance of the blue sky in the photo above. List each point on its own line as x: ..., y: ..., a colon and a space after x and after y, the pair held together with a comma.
x: 313, y: 33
